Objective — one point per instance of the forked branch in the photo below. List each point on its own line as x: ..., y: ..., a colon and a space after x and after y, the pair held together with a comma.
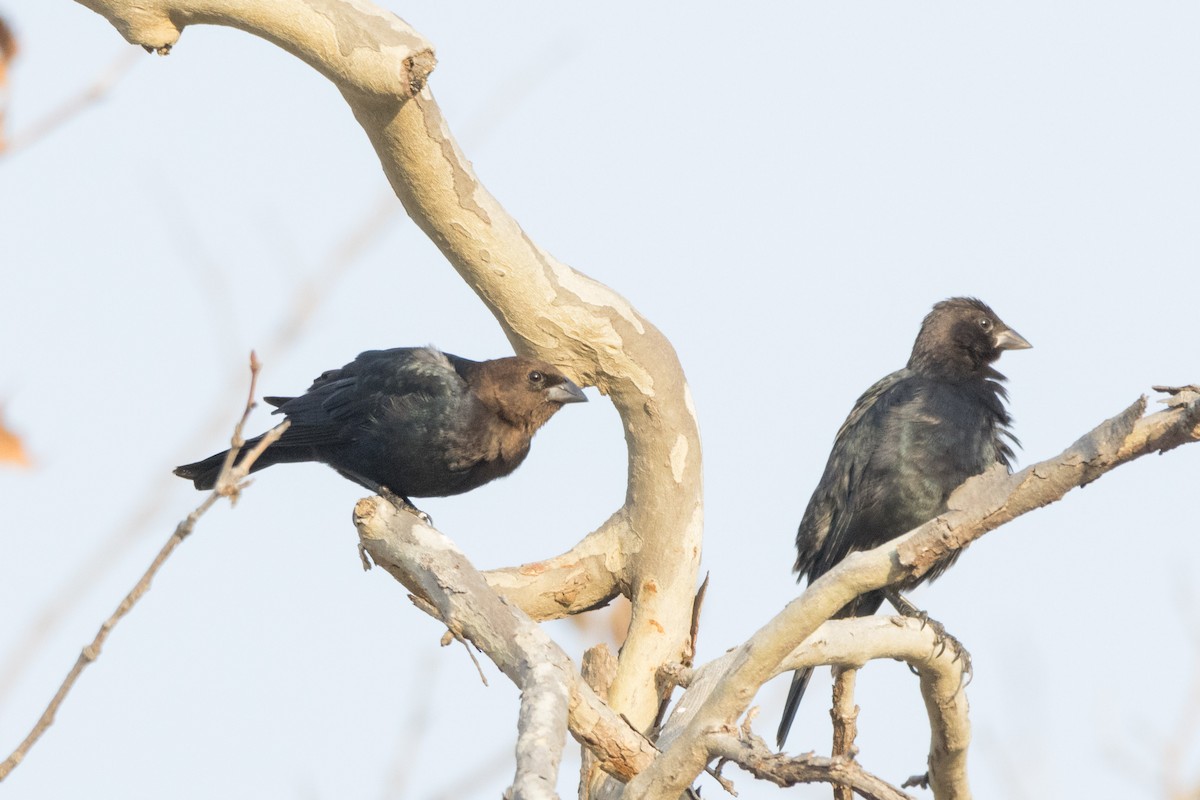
x: 650, y: 548
x: 229, y: 484
x: 438, y: 573
x: 980, y: 505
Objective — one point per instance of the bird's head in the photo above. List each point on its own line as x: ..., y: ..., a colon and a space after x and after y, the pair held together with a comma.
x: 524, y: 392
x: 960, y: 337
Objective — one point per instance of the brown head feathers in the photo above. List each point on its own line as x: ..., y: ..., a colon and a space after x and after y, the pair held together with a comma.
x: 960, y: 338
x: 524, y: 392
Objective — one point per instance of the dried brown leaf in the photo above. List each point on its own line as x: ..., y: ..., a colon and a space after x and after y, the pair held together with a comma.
x: 12, y: 451
x: 8, y: 47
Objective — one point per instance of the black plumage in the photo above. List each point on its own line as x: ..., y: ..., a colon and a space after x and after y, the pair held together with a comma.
x: 413, y: 420
x: 909, y: 441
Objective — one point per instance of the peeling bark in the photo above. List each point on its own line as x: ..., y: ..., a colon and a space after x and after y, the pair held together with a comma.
x: 752, y: 754
x: 980, y: 505
x: 598, y: 669
x: 429, y: 565
x: 434, y: 569
x: 845, y: 723
x: 364, y: 50
x: 554, y: 313
x: 650, y: 548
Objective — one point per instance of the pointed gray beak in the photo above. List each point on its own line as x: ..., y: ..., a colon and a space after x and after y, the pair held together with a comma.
x: 568, y: 392
x: 1008, y: 339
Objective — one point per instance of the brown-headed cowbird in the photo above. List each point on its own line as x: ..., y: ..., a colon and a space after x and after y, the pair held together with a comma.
x: 910, y: 440
x: 413, y: 421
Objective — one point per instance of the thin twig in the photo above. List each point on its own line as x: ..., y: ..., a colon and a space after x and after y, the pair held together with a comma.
x: 303, y: 304
x: 716, y: 774
x: 230, y: 476
x: 478, y: 667
x: 92, y: 651
x: 429, y: 608
x: 94, y: 92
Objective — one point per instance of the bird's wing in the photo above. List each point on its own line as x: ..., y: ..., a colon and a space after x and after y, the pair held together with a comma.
x: 377, y: 382
x: 822, y: 540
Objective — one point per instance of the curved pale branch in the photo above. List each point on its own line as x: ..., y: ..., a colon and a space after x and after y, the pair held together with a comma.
x: 545, y: 308
x: 437, y: 572
x: 555, y: 313
x: 980, y: 505
x: 364, y: 50
x: 752, y: 754
x: 581, y: 579
x: 852, y: 643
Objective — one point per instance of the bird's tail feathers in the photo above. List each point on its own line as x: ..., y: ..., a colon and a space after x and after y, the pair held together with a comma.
x: 203, y: 474
x: 800, y: 679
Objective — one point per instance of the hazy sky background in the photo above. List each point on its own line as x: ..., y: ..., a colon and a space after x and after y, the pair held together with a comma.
x: 783, y: 189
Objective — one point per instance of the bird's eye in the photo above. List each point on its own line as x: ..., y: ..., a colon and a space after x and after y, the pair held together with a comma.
x: 985, y: 323
x: 536, y: 377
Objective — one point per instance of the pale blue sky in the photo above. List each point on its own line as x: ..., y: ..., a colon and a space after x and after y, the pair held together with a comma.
x: 783, y: 190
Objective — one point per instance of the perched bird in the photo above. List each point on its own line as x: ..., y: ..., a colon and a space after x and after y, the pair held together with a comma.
x: 413, y: 421
x: 909, y: 441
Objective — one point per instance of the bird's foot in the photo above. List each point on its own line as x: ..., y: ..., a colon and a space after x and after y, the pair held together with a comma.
x: 916, y: 781
x: 943, y: 638
x: 404, y: 504
x: 946, y: 641
x: 400, y: 502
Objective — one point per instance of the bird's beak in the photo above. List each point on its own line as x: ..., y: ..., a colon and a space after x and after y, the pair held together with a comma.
x: 1008, y: 339
x: 568, y: 392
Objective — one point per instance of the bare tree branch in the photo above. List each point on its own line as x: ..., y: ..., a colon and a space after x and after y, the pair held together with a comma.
x: 851, y: 644
x: 432, y: 567
x: 980, y: 505
x: 598, y: 669
x: 555, y: 313
x: 652, y: 546
x: 622, y: 751
x: 752, y: 754
x: 363, y: 50
x: 583, y: 578
x: 303, y: 303
x: 91, y: 94
x: 845, y: 723
x: 228, y: 485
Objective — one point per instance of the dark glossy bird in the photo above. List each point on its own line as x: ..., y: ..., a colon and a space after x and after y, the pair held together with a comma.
x: 909, y: 441
x: 413, y: 421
